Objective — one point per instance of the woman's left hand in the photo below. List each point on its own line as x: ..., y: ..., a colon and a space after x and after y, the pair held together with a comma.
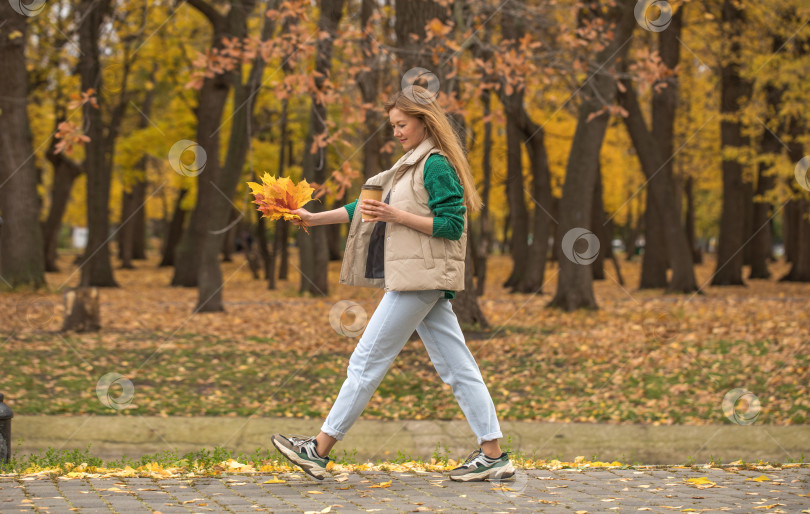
x: 379, y: 211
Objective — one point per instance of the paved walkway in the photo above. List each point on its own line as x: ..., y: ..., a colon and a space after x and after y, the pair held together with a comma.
x: 643, y: 489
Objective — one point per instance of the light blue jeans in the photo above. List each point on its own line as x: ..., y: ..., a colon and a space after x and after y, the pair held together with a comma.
x: 432, y: 316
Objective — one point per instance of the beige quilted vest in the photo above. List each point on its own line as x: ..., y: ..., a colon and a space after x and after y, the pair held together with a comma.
x: 414, y: 261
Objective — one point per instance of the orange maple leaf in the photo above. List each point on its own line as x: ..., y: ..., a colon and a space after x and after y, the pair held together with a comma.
x: 278, y: 197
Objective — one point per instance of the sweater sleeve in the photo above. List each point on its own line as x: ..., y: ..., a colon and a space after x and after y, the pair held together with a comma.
x: 350, y: 208
x: 446, y: 198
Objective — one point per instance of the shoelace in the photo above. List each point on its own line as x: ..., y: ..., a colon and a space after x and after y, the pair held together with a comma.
x: 300, y: 440
x: 471, y: 458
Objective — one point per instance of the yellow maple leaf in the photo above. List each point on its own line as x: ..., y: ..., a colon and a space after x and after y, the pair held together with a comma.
x: 760, y: 478
x: 381, y: 485
x: 278, y: 197
x: 702, y: 482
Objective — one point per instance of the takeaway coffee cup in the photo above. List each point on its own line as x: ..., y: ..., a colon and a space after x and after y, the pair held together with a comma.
x: 370, y: 192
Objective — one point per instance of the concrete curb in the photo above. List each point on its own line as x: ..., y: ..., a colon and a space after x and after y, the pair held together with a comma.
x: 111, y: 437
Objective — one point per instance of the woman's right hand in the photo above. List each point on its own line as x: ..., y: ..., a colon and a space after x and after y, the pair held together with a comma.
x: 305, y: 215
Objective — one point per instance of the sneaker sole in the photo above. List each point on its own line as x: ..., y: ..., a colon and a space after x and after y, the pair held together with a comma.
x: 500, y: 473
x: 308, y: 467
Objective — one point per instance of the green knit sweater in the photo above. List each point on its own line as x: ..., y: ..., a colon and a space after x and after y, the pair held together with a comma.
x: 445, y: 199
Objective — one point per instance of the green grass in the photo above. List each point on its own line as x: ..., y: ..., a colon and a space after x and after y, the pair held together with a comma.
x: 202, y: 375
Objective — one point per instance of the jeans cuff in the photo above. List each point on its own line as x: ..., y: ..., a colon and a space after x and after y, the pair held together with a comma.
x: 326, y: 429
x: 491, y: 436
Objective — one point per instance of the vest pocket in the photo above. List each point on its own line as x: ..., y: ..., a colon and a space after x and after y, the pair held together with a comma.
x: 427, y: 252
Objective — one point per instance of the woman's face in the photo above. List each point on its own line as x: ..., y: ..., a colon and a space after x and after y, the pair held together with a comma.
x: 409, y: 130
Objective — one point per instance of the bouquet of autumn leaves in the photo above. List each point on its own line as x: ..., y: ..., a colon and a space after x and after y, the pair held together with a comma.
x: 278, y: 197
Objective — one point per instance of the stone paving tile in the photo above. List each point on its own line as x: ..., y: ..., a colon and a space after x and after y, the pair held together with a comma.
x: 660, y: 490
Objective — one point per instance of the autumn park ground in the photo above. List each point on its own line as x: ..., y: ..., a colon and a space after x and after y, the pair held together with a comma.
x: 643, y: 359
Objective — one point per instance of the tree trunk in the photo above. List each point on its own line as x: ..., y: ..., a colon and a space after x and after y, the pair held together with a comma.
x: 227, y: 177
x: 575, y: 281
x: 465, y: 304
x: 175, y: 231
x: 654, y: 261
x: 313, y: 247
x: 65, y: 172
x: 265, y: 250
x: 486, y: 224
x: 139, y: 219
x: 800, y: 268
x: 770, y: 145
x: 229, y: 236
x: 734, y: 89
x: 124, y: 231
x: 512, y: 30
x: 790, y: 227
x: 666, y: 241
x: 131, y: 235
x: 368, y: 81
x: 281, y: 247
x: 800, y: 211
x: 598, y: 227
x: 211, y: 102
x: 529, y: 260
x: 22, y: 262
x: 96, y: 268
x: 518, y: 215
x: 411, y: 18
x: 333, y: 238
x: 82, y: 312
x: 697, y: 255
x: 543, y: 221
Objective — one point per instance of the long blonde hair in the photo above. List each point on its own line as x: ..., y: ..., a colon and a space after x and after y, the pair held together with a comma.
x: 420, y: 103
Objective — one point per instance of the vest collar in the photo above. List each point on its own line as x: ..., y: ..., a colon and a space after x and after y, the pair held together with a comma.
x: 414, y: 155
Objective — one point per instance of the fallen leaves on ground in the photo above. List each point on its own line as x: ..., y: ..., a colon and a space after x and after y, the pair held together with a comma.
x: 641, y: 358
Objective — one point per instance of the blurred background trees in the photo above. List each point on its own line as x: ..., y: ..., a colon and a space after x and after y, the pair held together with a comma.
x: 664, y: 130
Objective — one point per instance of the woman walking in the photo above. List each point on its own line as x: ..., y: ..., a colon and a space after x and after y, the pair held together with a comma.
x: 415, y: 251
